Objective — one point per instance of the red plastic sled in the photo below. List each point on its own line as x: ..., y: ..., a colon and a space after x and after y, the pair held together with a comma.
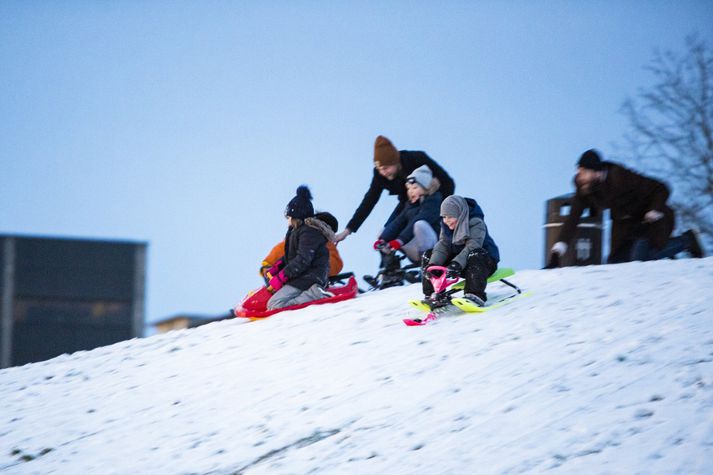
x: 254, y: 306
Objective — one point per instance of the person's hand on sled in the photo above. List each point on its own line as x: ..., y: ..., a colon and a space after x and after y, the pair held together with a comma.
x: 382, y: 246
x: 395, y: 244
x: 274, y: 269
x: 339, y: 237
x: 275, y: 283
x: 454, y: 269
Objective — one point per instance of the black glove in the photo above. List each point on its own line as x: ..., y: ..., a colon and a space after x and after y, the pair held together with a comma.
x: 454, y: 269
x: 554, y: 261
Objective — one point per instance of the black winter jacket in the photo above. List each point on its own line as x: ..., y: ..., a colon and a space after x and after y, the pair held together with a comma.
x: 628, y: 196
x: 410, y: 160
x: 306, y: 254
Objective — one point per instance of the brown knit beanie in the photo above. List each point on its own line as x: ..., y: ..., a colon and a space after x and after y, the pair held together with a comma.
x: 385, y: 154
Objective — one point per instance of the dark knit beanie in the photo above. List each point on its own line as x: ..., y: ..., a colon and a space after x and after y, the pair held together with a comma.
x: 385, y: 154
x: 591, y: 160
x: 328, y: 219
x: 300, y: 207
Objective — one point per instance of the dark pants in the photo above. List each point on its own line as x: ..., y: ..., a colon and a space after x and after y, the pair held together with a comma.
x: 389, y: 261
x: 642, y: 250
x: 479, y: 266
x: 626, y: 234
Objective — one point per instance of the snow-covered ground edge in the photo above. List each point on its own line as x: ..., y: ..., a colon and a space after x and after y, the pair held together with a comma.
x: 605, y: 369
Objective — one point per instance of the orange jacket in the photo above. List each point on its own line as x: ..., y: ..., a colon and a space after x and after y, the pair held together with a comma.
x: 335, y: 260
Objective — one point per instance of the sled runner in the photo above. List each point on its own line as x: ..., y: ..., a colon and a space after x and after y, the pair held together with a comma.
x: 392, y: 274
x: 442, y: 301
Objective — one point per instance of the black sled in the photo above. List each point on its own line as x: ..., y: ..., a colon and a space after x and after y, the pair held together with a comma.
x: 392, y: 274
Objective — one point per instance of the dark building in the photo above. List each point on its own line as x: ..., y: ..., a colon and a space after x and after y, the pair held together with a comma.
x: 64, y: 295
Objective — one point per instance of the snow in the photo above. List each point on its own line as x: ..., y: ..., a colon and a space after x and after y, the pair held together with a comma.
x: 605, y: 369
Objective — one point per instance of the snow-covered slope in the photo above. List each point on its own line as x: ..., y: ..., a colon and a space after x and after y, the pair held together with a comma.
x: 604, y: 369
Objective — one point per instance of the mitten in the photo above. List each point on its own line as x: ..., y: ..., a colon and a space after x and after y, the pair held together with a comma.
x: 559, y: 248
x: 454, y: 269
x: 277, y: 282
x: 275, y: 269
x: 396, y: 244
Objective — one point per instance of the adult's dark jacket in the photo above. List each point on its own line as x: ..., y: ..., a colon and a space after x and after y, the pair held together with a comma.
x: 628, y: 196
x: 427, y: 209
x: 410, y: 160
x: 306, y: 254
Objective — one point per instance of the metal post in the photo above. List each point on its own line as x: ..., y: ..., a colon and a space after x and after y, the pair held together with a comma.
x: 8, y: 301
x: 139, y: 300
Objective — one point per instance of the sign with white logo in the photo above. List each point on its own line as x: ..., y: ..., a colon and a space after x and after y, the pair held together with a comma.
x: 584, y: 249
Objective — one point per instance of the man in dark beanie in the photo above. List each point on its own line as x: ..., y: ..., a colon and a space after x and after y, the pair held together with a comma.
x: 642, y: 223
x: 590, y: 160
x: 391, y: 168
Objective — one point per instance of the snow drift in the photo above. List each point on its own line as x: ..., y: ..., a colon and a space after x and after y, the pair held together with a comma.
x: 604, y: 369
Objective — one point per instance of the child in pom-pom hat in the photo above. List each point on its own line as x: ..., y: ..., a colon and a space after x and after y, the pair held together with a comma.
x: 300, y: 276
x: 336, y: 264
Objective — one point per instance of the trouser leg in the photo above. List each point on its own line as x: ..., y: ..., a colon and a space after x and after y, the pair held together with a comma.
x: 621, y: 254
x: 390, y: 261
x: 643, y: 251
x: 478, y: 268
x: 623, y: 235
x: 424, y: 238
x: 289, y: 295
x: 640, y: 250
x: 282, y: 297
x: 315, y: 292
x: 425, y: 281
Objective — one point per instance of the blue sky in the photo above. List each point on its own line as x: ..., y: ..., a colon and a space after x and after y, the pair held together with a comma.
x: 190, y: 124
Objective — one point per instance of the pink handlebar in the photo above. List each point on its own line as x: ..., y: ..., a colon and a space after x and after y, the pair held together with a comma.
x: 442, y: 281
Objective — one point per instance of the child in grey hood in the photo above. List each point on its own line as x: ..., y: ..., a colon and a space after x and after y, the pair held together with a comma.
x: 465, y: 247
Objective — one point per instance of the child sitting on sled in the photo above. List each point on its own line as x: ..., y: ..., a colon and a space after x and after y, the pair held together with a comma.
x: 300, y: 276
x: 414, y: 229
x: 335, y: 260
x: 465, y: 247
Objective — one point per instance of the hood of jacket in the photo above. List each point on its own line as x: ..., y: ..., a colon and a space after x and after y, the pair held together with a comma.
x: 322, y: 227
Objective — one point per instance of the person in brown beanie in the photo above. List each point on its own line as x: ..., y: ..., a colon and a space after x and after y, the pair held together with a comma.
x: 391, y: 168
x: 642, y: 223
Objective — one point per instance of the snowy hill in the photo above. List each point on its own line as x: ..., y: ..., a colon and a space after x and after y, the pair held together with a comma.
x: 604, y: 369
